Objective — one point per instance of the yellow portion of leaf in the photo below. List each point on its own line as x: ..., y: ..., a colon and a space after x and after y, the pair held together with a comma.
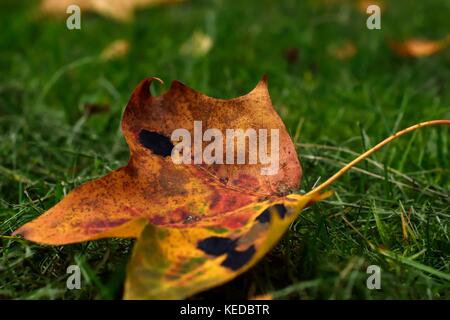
x: 175, y: 263
x: 153, y: 187
x: 116, y: 49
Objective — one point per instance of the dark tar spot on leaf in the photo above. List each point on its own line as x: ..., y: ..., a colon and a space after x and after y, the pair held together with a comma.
x: 216, y: 246
x: 237, y: 259
x: 157, y: 143
x: 264, y: 217
x: 279, y: 208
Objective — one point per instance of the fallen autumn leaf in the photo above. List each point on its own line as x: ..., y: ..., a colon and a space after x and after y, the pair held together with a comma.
x: 198, y: 226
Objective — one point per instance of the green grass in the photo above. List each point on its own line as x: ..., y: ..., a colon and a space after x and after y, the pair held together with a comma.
x: 336, y: 109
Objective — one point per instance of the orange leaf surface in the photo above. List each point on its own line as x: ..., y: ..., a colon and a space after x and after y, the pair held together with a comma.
x: 151, y: 186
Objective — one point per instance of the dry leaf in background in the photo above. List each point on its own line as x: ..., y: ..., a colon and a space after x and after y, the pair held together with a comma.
x: 419, y: 47
x: 116, y: 49
x: 95, y: 108
x: 343, y: 51
x: 291, y: 55
x: 362, y: 5
x: 121, y: 10
x: 267, y: 296
x: 197, y: 45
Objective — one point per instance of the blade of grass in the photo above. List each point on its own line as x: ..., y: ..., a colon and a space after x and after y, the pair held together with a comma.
x: 415, y: 264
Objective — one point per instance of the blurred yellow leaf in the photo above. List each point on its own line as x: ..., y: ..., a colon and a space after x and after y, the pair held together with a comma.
x: 115, y: 49
x: 197, y: 45
x: 343, y: 51
x: 122, y: 10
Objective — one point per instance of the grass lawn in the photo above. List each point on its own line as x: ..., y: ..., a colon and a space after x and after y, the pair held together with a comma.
x: 334, y: 109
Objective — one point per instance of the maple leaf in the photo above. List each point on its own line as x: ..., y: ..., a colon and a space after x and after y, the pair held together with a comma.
x: 202, y: 224
x: 198, y: 225
x: 152, y: 186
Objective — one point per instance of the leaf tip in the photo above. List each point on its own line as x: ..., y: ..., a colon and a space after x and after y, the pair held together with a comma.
x: 176, y: 85
x: 263, y: 83
x: 19, y: 232
x: 143, y: 89
x: 261, y: 87
x: 264, y: 79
